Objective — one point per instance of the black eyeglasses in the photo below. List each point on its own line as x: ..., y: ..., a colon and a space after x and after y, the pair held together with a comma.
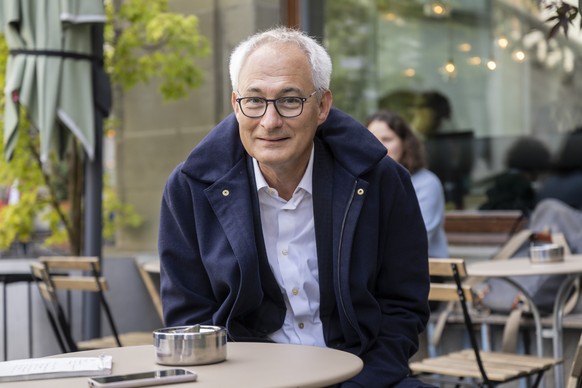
x: 288, y: 106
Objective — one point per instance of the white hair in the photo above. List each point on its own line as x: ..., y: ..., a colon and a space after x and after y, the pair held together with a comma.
x: 318, y: 57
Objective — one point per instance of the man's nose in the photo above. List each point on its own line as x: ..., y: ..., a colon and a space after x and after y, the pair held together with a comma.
x: 271, y: 118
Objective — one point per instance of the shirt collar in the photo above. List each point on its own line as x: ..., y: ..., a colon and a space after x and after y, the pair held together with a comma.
x: 306, y: 182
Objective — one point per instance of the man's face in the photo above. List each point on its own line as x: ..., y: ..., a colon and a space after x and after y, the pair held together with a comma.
x: 279, y: 144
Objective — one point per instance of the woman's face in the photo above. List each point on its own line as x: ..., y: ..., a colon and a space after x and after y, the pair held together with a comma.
x: 388, y: 138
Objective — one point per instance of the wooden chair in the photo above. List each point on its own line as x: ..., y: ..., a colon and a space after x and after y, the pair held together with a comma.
x: 472, y: 366
x: 78, y: 274
x: 151, y: 280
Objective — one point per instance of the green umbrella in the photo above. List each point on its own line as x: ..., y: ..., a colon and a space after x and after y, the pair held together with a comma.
x: 55, y: 62
x: 49, y: 70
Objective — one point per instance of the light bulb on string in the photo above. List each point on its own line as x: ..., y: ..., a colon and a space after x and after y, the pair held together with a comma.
x: 518, y: 55
x: 491, y: 64
x: 449, y: 69
x: 502, y: 42
x: 437, y: 8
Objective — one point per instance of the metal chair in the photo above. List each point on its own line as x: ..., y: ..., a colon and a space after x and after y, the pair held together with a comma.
x: 73, y: 273
x: 472, y: 367
x: 575, y: 377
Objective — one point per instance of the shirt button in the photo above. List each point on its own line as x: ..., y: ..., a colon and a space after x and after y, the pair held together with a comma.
x: 284, y: 252
x: 295, y: 291
x: 301, y: 325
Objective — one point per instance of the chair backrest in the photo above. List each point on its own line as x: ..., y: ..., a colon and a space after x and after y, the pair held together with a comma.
x: 482, y: 227
x: 90, y: 280
x: 55, y: 312
x: 70, y: 273
x: 447, y: 291
x: 454, y: 269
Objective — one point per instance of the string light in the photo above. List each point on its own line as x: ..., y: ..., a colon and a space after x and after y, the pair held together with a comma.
x: 410, y: 72
x: 502, y: 42
x: 437, y: 8
x: 518, y: 55
x: 491, y: 64
x: 450, y: 66
x: 449, y: 69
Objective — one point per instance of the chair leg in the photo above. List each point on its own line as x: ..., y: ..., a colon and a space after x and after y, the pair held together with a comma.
x: 538, y: 379
x: 110, y: 319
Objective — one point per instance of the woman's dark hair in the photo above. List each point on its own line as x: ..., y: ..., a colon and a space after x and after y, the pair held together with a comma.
x: 439, y: 103
x: 413, y: 154
x: 529, y: 155
x: 570, y: 155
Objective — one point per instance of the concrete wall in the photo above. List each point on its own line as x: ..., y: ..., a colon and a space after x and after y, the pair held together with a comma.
x: 157, y: 135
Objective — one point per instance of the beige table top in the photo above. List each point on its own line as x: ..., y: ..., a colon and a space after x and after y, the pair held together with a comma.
x: 524, y: 267
x: 248, y: 364
x: 152, y: 266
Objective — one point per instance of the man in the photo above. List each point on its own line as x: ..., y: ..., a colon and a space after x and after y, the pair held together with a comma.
x: 287, y: 223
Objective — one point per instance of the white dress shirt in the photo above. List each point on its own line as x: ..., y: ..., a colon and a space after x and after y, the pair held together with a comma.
x: 289, y: 233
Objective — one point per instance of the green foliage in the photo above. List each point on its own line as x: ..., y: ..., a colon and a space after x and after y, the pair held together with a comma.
x: 143, y: 41
x: 117, y: 214
x: 22, y: 174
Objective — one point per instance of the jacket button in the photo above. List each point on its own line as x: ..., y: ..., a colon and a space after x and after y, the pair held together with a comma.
x: 225, y: 192
x: 360, y: 191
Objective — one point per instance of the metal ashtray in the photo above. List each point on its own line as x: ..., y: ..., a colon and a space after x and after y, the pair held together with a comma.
x: 546, y: 253
x: 190, y: 345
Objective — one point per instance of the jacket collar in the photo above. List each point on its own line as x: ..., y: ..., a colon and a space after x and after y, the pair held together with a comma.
x: 352, y: 145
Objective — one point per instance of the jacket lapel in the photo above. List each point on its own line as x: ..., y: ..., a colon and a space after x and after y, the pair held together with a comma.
x: 322, y: 211
x: 259, y: 308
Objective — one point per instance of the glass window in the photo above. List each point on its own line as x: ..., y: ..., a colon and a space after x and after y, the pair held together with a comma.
x: 472, y: 78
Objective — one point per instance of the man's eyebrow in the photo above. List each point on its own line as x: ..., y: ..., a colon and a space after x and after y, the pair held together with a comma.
x: 290, y: 89
x: 255, y: 90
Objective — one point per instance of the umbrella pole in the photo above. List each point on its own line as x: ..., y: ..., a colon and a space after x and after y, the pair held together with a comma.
x: 93, y: 196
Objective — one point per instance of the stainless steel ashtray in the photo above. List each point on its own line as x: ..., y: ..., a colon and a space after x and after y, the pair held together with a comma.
x: 546, y: 253
x: 190, y: 345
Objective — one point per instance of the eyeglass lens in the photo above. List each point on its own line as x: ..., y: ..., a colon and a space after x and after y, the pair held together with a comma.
x: 285, y: 106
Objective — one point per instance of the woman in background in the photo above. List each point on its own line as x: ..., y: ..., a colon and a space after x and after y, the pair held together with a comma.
x: 404, y: 147
x: 565, y: 179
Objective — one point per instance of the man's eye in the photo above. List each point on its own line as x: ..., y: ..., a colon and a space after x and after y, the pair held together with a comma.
x: 254, y: 101
x: 289, y: 101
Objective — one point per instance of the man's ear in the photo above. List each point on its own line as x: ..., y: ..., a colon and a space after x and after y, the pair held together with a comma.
x: 233, y: 102
x: 325, y: 104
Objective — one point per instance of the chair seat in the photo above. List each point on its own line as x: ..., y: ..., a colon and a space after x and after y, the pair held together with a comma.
x: 127, y: 339
x: 498, y: 366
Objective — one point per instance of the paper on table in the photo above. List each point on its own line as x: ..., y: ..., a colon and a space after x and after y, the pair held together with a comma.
x: 51, y: 368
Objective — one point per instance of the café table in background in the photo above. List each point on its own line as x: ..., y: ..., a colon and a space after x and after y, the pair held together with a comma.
x: 248, y: 364
x: 506, y: 269
x: 15, y: 271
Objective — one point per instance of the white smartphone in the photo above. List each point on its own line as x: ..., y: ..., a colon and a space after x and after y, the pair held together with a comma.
x: 158, y: 377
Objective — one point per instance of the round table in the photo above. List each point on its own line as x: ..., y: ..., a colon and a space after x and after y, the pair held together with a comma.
x: 248, y: 364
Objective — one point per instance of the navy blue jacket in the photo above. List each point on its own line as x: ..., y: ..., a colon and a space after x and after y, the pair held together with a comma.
x: 371, y: 244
